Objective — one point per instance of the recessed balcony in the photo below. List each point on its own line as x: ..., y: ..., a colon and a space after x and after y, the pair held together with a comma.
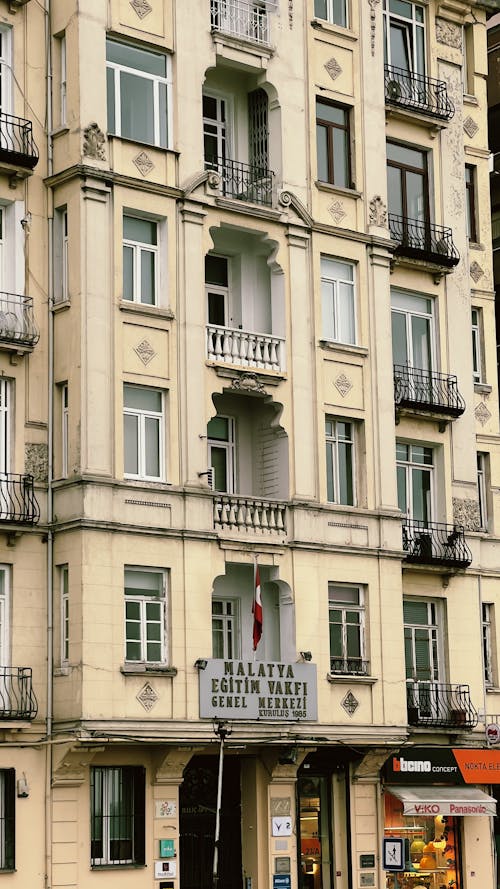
x: 440, y: 705
x: 433, y: 543
x: 416, y: 92
x: 17, y: 322
x: 244, y: 182
x: 418, y: 239
x: 244, y: 349
x: 350, y: 666
x: 427, y: 392
x: 18, y: 503
x: 17, y: 698
x: 249, y: 514
x: 241, y: 19
x: 17, y: 146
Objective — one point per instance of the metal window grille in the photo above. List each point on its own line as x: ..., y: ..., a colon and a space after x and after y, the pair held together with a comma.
x: 117, y: 815
x: 7, y: 819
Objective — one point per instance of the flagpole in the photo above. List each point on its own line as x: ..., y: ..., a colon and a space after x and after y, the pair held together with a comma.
x: 221, y: 731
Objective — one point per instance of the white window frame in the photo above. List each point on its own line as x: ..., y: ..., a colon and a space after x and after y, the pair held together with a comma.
x: 64, y: 430
x: 138, y: 249
x: 7, y: 827
x: 230, y: 627
x: 229, y: 446
x: 330, y: 15
x: 142, y: 415
x: 477, y: 349
x: 156, y: 80
x: 400, y: 305
x: 412, y: 26
x: 338, y: 604
x: 481, y: 489
x: 333, y: 444
x: 143, y: 601
x: 435, y: 637
x: 64, y: 587
x: 222, y: 289
x: 224, y: 129
x: 60, y: 250
x: 5, y: 580
x: 63, y: 83
x: 332, y: 322
x: 5, y: 69
x: 409, y: 465
x: 5, y: 425
x: 487, y: 627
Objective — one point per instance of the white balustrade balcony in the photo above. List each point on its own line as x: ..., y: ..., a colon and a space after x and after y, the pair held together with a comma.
x: 249, y: 514
x: 245, y: 349
x: 244, y: 19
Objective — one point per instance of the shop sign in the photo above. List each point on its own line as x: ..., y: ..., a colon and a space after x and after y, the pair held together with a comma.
x: 282, y: 881
x: 493, y: 733
x: 268, y: 690
x: 443, y: 765
x: 393, y: 857
x: 367, y: 860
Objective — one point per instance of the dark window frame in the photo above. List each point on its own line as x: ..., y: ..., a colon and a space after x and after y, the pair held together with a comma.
x: 330, y: 126
x: 131, y: 819
x: 8, y: 820
x: 420, y: 171
x: 471, y: 198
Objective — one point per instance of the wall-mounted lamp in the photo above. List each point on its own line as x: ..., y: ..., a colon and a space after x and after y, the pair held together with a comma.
x: 22, y: 787
x: 201, y: 663
x: 306, y: 655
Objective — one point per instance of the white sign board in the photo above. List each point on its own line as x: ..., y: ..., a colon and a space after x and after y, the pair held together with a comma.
x: 165, y: 869
x: 282, y: 826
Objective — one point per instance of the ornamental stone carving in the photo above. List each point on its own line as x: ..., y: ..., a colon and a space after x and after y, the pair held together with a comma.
x: 337, y: 212
x: 284, y: 198
x: 333, y: 68
x: 290, y: 14
x: 141, y: 7
x: 350, y: 703
x: 248, y: 382
x: 145, y: 352
x: 93, y: 142
x: 482, y: 414
x: 476, y: 271
x: 143, y: 163
x: 214, y: 179
x: 378, y: 211
x: 466, y: 513
x: 448, y: 33
x: 36, y: 461
x: 470, y: 127
x: 343, y: 384
x: 373, y: 19
x: 147, y: 696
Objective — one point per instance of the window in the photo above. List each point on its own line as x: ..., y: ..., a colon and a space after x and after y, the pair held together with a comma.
x: 470, y: 202
x: 64, y: 430
x: 138, y: 82
x: 217, y: 289
x: 7, y: 819
x: 5, y: 75
x: 407, y: 183
x: 346, y: 620
x: 404, y: 33
x: 487, y: 631
x: 61, y: 290
x: 412, y: 330
x: 145, y: 615
x: 468, y: 60
x: 340, y: 461
x: 62, y: 94
x: 221, y: 457
x: 143, y: 432
x: 414, y: 467
x: 333, y: 11
x: 64, y: 586
x: 225, y: 628
x: 5, y: 393
x: 482, y: 462
x: 140, y: 260
x: 338, y: 299
x: 4, y: 617
x: 477, y: 353
x: 333, y: 144
x: 215, y: 130
x: 117, y: 815
x: 422, y: 641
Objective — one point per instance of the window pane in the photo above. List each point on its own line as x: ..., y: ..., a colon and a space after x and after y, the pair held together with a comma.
x: 320, y: 9
x: 336, y: 640
x: 327, y: 297
x: 399, y: 344
x: 415, y: 196
x: 331, y: 113
x: 400, y: 46
x: 421, y: 489
x: 402, y: 498
x: 163, y: 121
x: 415, y: 612
x: 346, y: 313
x: 142, y: 399
x: 341, y: 158
x: 322, y: 143
x: 353, y: 642
x: 339, y: 12
x: 143, y: 230
x: 131, y: 447
x: 394, y: 192
x: 152, y: 442
x: 410, y: 157
x: 133, y: 57
x: 147, y: 278
x: 216, y: 270
x: 110, y: 93
x: 421, y: 337
x: 137, y: 110
x: 147, y: 583
x: 330, y: 490
x: 216, y: 309
x: 346, y: 491
x: 218, y: 428
x: 128, y: 273
x: 218, y: 460
x: 347, y: 594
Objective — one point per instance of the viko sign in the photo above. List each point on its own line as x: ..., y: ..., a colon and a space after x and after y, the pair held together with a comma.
x: 266, y: 690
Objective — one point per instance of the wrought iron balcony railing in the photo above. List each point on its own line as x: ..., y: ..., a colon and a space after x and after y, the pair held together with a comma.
x: 249, y: 514
x: 352, y: 666
x: 17, y: 499
x: 418, y: 92
x: 260, y: 350
x: 419, y: 239
x: 242, y: 19
x: 17, y: 145
x: 17, y: 698
x: 432, y: 543
x: 440, y: 705
x: 427, y: 391
x: 17, y: 322
x: 246, y: 182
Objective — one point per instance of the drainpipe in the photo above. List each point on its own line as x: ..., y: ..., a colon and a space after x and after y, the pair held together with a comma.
x: 50, y: 455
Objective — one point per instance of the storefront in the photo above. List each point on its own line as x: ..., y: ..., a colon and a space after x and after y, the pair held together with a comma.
x: 428, y: 792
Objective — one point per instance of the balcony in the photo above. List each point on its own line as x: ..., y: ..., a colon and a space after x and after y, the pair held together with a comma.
x: 416, y: 92
x: 17, y: 499
x: 241, y: 19
x: 245, y: 182
x: 440, y: 705
x: 244, y: 349
x: 349, y: 666
x: 17, y: 698
x: 425, y: 391
x: 249, y: 514
x: 418, y: 239
x: 431, y: 543
x: 17, y: 147
x: 17, y: 323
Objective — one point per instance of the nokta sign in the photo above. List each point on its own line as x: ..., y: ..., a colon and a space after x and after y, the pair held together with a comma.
x: 443, y: 765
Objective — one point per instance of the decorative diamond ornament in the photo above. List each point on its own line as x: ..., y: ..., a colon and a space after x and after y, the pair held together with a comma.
x: 350, y: 703
x: 141, y: 7
x: 333, y: 68
x: 143, y: 163
x: 337, y: 211
x: 476, y: 271
x: 470, y: 127
x: 482, y: 413
x: 145, y: 351
x: 147, y: 696
x: 343, y: 384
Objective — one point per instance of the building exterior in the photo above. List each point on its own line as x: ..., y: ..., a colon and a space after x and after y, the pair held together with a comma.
x: 247, y: 346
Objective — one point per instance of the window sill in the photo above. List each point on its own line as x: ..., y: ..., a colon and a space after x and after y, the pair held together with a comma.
x: 332, y: 346
x: 337, y: 189
x: 331, y: 28
x: 476, y: 245
x: 349, y: 678
x: 492, y: 689
x: 62, y: 671
x: 483, y: 388
x: 469, y: 99
x: 159, y: 483
x: 117, y: 866
x: 59, y: 131
x: 61, y: 306
x: 140, y: 669
x: 154, y: 311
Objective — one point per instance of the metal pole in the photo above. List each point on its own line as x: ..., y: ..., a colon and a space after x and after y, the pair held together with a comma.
x: 221, y: 731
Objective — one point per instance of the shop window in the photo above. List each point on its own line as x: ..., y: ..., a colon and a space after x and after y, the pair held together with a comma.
x: 316, y: 855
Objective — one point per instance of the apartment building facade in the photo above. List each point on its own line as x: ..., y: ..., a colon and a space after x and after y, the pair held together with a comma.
x: 247, y: 341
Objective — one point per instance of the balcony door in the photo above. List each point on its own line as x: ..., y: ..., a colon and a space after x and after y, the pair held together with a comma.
x: 404, y: 36
x: 217, y: 290
x: 423, y: 655
x: 407, y: 184
x: 415, y: 481
x: 221, y: 453
x: 216, y: 131
x: 412, y: 345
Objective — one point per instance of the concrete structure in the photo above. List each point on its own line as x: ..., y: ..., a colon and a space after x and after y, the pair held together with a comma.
x: 247, y: 332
